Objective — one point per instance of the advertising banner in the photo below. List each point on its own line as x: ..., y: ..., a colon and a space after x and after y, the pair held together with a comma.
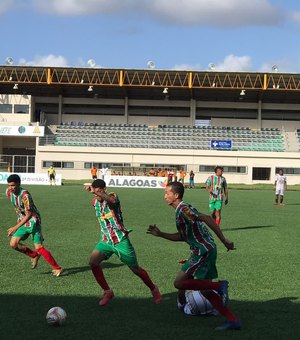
x: 136, y: 182
x: 40, y: 179
x: 22, y: 131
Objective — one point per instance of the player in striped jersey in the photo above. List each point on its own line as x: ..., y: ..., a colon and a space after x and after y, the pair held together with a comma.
x: 28, y: 224
x: 216, y: 185
x: 200, y: 269
x: 114, y: 240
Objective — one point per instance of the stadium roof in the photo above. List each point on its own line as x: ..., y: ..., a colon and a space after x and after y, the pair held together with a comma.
x: 149, y: 84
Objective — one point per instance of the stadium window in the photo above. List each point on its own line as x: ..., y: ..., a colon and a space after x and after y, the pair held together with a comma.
x: 21, y: 108
x: 5, y: 108
x: 288, y: 171
x: 47, y: 164
x: 227, y: 169
x: 67, y: 165
x: 261, y: 174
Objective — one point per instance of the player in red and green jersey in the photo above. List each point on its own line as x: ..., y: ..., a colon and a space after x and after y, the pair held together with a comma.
x: 216, y: 185
x: 28, y: 224
x: 200, y: 269
x: 114, y: 240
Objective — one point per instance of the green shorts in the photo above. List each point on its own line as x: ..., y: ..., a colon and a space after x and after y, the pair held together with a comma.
x: 215, y: 205
x: 124, y: 250
x: 34, y: 230
x: 202, y: 266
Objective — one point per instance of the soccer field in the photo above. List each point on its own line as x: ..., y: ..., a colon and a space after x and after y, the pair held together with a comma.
x: 263, y: 271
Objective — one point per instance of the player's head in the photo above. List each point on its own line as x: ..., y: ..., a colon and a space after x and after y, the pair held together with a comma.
x: 174, y: 192
x: 99, y: 183
x: 280, y: 172
x: 14, y: 182
x: 219, y: 170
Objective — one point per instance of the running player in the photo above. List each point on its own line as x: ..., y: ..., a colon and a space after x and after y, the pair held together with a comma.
x: 200, y: 269
x: 216, y: 185
x: 114, y: 240
x: 28, y: 224
x: 280, y: 187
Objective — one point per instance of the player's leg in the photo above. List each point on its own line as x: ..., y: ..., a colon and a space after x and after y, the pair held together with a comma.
x: 281, y: 196
x: 101, y: 252
x: 38, y: 240
x: 276, y: 198
x: 15, y: 243
x: 127, y: 255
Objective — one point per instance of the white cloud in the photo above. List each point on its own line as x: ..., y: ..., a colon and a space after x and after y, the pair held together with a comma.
x: 187, y: 67
x: 216, y: 12
x: 49, y: 60
x: 186, y: 12
x: 295, y: 17
x: 6, y: 5
x: 232, y: 63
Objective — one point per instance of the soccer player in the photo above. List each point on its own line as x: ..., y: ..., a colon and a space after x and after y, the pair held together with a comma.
x: 28, y: 224
x: 280, y: 187
x: 114, y: 240
x: 94, y: 172
x: 200, y: 269
x: 51, y: 175
x: 216, y: 185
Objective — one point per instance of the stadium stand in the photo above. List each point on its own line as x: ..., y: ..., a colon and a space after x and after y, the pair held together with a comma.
x: 165, y: 136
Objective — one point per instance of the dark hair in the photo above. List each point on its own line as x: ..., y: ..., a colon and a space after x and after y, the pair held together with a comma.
x: 219, y: 167
x: 99, y: 183
x: 14, y: 178
x: 177, y: 188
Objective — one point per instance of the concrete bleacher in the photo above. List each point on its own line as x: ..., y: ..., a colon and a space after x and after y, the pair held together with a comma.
x: 166, y: 136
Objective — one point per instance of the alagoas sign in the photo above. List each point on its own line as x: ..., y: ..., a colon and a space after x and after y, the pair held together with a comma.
x: 136, y: 182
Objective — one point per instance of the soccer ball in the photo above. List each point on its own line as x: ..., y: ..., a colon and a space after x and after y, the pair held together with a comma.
x: 56, y: 316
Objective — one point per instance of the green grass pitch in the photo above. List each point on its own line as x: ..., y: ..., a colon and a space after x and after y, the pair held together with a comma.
x: 263, y: 271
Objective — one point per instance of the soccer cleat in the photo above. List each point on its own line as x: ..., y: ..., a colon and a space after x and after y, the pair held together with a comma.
x: 56, y: 272
x: 275, y: 203
x: 282, y: 204
x: 34, y: 261
x: 229, y: 325
x: 156, y: 295
x: 223, y: 292
x: 108, y: 295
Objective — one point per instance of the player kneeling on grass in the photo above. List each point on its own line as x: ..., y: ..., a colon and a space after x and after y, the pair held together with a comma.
x: 200, y: 269
x: 192, y: 302
x: 28, y: 224
x: 114, y: 240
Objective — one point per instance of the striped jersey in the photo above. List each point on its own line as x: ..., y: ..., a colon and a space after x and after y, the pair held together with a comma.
x: 110, y: 219
x: 217, y: 186
x: 23, y: 202
x: 192, y: 230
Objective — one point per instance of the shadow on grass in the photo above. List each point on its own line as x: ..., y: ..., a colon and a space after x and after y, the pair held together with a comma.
x: 76, y: 270
x: 23, y: 317
x: 250, y: 227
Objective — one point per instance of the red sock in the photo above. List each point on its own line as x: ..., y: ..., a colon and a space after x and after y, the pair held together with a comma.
x: 48, y: 257
x: 98, y: 274
x: 218, y: 221
x: 30, y: 252
x: 217, y: 303
x: 195, y: 284
x: 146, y: 278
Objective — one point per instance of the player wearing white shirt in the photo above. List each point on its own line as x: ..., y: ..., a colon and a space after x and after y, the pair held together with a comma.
x: 280, y: 187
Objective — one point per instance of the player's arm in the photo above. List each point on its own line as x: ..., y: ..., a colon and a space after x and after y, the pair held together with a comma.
x: 208, y: 220
x: 111, y: 198
x: 155, y: 231
x: 226, y: 194
x: 25, y: 219
x: 208, y: 188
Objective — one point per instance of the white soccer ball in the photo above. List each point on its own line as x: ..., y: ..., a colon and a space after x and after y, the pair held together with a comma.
x: 56, y: 316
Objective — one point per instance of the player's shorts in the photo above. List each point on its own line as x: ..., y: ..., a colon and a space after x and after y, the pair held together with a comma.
x: 52, y: 177
x: 124, y: 250
x: 34, y: 230
x: 215, y: 205
x: 192, y: 182
x: 202, y: 266
x: 279, y: 191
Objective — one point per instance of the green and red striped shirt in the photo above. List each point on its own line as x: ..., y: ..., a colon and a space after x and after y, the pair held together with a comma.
x: 110, y: 220
x: 23, y: 202
x: 217, y: 186
x: 192, y: 230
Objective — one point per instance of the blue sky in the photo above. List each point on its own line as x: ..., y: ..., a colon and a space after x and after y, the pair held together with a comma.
x: 235, y: 35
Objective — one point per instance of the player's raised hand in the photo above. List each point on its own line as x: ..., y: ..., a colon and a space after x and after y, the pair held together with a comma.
x: 229, y: 245
x: 88, y: 187
x: 153, y: 230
